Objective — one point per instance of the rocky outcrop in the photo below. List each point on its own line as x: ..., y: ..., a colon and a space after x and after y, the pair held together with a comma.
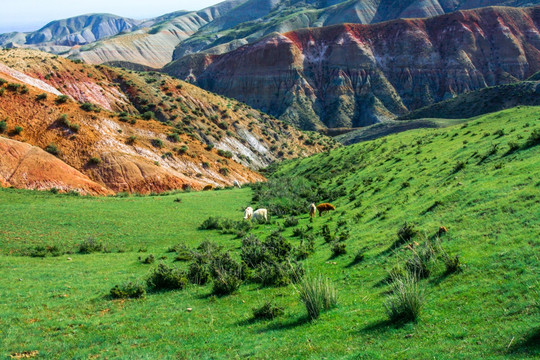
x: 356, y: 75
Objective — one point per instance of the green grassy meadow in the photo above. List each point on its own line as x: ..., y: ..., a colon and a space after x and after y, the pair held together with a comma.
x: 480, y: 179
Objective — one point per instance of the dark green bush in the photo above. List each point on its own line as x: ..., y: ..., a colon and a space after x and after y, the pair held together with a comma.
x: 212, y: 223
x: 43, y: 251
x: 90, y: 246
x: 18, y: 130
x: 3, y: 126
x: 88, y: 106
x: 166, y: 277
x: 339, y: 248
x: 96, y: 161
x: 61, y: 99
x: 150, y: 259
x: 149, y: 115
x: 157, y: 143
x: 198, y: 272
x: 133, y: 290
x: 268, y: 311
x: 290, y: 221
x: 406, y: 233
x: 41, y: 97
x: 52, y: 149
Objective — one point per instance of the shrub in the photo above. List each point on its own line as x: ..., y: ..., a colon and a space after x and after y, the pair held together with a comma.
x: 183, y: 254
x: 212, y: 223
x: 339, y: 248
x: 405, y: 300
x: 88, y: 106
x: 133, y: 290
x: 225, y: 154
x: 318, y: 294
x: 150, y: 259
x: 406, y: 233
x: 3, y: 126
x: 226, y: 273
x: 198, y: 273
x: 43, y: 251
x: 279, y: 274
x: 166, y: 277
x: 18, y: 130
x: 182, y: 150
x: 149, y: 115
x: 290, y: 221
x: 460, y: 165
x: 96, y: 161
x: 90, y: 246
x: 224, y: 171
x: 174, y: 137
x: 61, y: 99
x: 157, y: 143
x: 131, y: 140
x: 268, y: 311
x: 359, y: 257
x: 41, y: 97
x: 13, y: 87
x: 52, y: 149
x: 225, y: 284
x: 512, y: 146
x: 534, y: 138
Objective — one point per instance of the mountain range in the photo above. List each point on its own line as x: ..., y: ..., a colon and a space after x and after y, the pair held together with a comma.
x: 357, y: 75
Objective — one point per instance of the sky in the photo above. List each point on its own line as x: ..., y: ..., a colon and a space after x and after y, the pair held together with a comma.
x: 29, y: 15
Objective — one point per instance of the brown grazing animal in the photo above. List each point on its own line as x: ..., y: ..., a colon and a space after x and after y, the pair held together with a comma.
x: 322, y: 208
x: 442, y: 230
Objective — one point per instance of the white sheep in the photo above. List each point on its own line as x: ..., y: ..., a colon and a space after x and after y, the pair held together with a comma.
x: 248, y: 213
x: 260, y: 215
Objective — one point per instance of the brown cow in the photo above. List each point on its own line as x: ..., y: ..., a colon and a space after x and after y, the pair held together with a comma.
x: 322, y: 208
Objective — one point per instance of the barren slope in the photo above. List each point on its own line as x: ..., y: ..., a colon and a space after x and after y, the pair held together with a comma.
x: 201, y: 139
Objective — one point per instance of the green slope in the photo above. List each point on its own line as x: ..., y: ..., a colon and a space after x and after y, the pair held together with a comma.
x: 490, y: 205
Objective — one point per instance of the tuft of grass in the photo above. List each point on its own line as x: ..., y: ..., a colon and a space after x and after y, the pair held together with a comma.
x: 405, y: 300
x: 318, y: 294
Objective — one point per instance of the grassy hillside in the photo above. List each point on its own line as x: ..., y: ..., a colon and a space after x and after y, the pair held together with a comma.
x: 386, y: 128
x: 483, y: 101
x: 480, y: 180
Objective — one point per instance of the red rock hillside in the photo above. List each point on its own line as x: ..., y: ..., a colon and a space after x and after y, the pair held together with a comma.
x: 169, y: 135
x: 356, y: 75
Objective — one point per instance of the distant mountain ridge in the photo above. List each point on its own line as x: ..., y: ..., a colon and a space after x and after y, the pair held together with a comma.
x: 217, y: 29
x: 79, y: 30
x: 357, y: 75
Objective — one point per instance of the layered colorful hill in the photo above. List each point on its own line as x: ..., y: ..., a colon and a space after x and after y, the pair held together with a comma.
x: 356, y: 75
x: 112, y: 130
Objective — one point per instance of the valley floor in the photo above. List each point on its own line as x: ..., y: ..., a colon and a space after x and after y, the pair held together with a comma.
x: 59, y: 306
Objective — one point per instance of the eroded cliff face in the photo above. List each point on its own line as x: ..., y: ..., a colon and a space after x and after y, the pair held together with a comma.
x: 355, y: 75
x: 112, y: 144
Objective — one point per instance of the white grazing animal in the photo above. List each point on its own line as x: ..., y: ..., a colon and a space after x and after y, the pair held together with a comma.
x: 248, y: 213
x: 237, y: 184
x: 260, y: 215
